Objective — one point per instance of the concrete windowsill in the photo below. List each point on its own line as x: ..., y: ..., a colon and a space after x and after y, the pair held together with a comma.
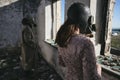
x: 110, y: 71
x: 51, y: 42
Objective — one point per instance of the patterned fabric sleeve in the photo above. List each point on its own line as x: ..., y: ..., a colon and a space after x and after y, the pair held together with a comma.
x: 89, y: 62
x: 61, y: 62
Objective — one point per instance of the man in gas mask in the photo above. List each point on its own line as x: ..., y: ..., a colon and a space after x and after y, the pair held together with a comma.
x: 29, y: 48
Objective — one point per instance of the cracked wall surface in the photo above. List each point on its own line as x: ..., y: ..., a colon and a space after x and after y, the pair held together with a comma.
x: 11, y: 14
x: 10, y: 22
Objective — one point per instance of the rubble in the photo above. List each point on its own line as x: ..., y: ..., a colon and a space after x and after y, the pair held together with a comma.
x: 10, y: 69
x: 112, y: 62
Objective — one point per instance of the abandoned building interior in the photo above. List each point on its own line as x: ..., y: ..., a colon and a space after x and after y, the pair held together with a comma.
x: 49, y: 15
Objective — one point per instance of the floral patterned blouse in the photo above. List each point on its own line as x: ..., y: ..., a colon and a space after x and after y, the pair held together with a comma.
x: 79, y: 59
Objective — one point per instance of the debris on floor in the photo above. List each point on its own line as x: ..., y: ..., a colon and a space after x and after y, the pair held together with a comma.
x: 10, y: 69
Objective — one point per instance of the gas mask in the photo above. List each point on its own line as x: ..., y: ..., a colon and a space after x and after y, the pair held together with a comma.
x: 80, y: 14
x: 90, y: 28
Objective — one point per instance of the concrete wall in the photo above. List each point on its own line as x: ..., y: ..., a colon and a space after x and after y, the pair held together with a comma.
x: 93, y: 4
x: 10, y: 23
x: 48, y: 19
x: 30, y: 7
x: 11, y: 14
x: 101, y: 12
x: 104, y: 24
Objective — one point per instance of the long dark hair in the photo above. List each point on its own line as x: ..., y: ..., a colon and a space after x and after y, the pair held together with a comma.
x: 65, y: 32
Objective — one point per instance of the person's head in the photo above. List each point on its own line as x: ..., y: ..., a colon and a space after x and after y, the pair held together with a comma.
x: 80, y: 14
x: 78, y: 19
x: 28, y: 21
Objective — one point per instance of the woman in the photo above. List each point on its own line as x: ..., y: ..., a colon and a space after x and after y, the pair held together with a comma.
x: 76, y: 51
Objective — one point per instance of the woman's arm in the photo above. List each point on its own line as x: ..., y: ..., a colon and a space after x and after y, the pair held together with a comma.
x: 60, y: 59
x: 89, y: 62
x: 61, y: 62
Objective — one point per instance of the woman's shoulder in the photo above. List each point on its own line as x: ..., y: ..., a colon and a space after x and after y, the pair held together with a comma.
x: 82, y: 39
x: 79, y: 37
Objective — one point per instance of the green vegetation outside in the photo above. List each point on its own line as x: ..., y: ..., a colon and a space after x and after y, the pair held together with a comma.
x: 115, y: 41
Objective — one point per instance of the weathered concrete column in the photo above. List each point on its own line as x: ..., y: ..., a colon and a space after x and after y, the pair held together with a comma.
x: 111, y: 4
x: 100, y: 22
x: 103, y: 24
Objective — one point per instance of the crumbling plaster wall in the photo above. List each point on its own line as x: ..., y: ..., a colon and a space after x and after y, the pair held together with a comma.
x: 108, y: 35
x: 11, y: 14
x: 10, y: 23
